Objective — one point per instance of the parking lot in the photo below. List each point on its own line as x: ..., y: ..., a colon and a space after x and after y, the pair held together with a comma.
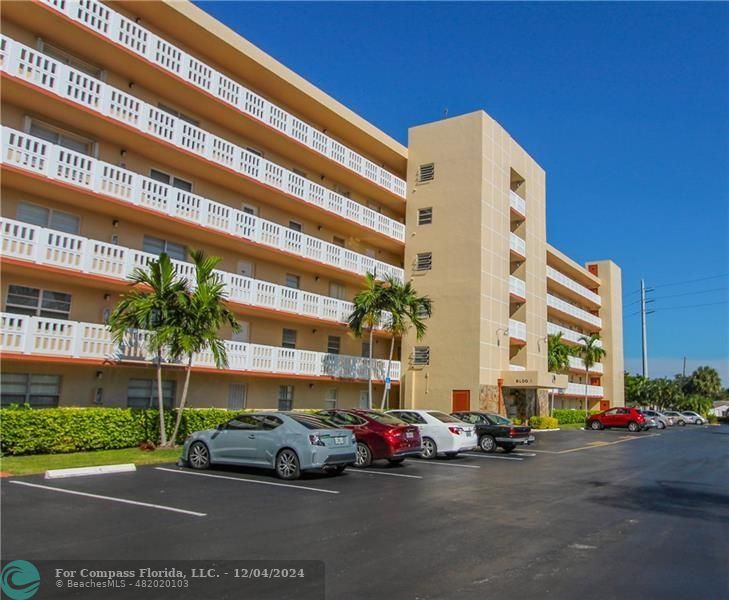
x: 605, y: 514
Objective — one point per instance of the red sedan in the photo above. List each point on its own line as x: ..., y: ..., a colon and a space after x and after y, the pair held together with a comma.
x: 378, y: 435
x: 617, y: 417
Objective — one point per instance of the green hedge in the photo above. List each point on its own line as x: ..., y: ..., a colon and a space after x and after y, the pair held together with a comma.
x: 543, y: 423
x: 571, y: 415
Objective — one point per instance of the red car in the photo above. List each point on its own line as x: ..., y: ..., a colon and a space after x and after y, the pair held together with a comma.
x: 378, y: 435
x: 617, y: 417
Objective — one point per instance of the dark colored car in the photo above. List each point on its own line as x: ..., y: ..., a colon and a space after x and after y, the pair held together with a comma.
x: 628, y: 417
x: 378, y: 435
x: 495, y: 431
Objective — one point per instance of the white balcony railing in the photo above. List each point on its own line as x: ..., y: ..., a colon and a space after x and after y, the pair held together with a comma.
x: 517, y: 244
x: 57, y: 163
x: 516, y: 368
x: 38, y: 336
x: 138, y: 40
x: 578, y: 288
x: 569, y: 334
x: 517, y: 286
x: 517, y: 330
x: 29, y: 64
x: 578, y: 389
x: 83, y: 255
x: 517, y: 203
x: 574, y: 311
x: 579, y: 365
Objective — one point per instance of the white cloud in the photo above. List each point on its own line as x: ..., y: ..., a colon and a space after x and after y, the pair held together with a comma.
x: 668, y: 367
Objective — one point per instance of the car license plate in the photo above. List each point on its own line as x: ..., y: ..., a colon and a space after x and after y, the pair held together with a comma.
x: 339, y: 441
x: 409, y: 435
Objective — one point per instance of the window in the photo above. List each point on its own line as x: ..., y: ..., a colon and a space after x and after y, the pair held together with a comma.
x: 292, y: 281
x: 443, y: 417
x: 243, y: 334
x: 36, y: 389
x: 337, y: 290
x: 69, y: 59
x: 24, y: 300
x: 142, y: 393
x: 365, y: 349
x: 334, y: 344
x: 168, y: 179
x: 47, y: 217
x: 246, y: 268
x: 410, y: 417
x: 245, y: 422
x: 295, y: 225
x: 237, y: 396
x: 424, y: 261
x: 344, y: 418
x: 338, y: 241
x: 425, y: 216
x: 421, y: 355
x: 62, y: 138
x: 426, y: 172
x: 255, y: 151
x: 178, y: 114
x: 300, y: 173
x: 157, y: 246
x: 288, y: 339
x: 330, y: 401
x: 285, y: 397
x: 249, y: 209
x: 268, y: 422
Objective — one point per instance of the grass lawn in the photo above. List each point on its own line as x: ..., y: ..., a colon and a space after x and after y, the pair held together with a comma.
x: 39, y: 463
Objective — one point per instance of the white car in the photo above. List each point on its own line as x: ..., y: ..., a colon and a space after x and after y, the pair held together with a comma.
x: 693, y: 417
x: 440, y: 433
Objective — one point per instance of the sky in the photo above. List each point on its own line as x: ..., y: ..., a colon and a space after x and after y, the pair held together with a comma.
x: 625, y: 105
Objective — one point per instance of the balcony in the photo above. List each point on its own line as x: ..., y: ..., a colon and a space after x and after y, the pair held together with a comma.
x: 517, y: 203
x: 578, y: 389
x: 577, y: 364
x: 517, y: 330
x: 53, y: 248
x: 35, y: 155
x: 517, y: 245
x: 42, y: 337
x: 573, y: 286
x: 25, y: 63
x: 136, y: 39
x: 517, y: 287
x: 573, y: 311
x: 569, y: 334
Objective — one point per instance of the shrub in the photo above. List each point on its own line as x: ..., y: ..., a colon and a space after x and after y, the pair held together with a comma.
x: 517, y: 421
x: 713, y: 418
x: 543, y: 423
x: 571, y: 415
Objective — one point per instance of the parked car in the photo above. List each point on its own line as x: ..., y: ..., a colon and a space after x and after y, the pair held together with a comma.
x: 678, y: 418
x: 494, y: 431
x: 662, y: 421
x: 617, y: 417
x: 287, y: 442
x: 650, y: 422
x: 441, y: 433
x: 693, y: 417
x: 378, y: 435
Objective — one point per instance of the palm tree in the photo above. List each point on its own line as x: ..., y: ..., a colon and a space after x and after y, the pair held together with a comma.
x: 405, y: 309
x: 590, y: 352
x: 202, y: 315
x: 558, y: 359
x: 153, y: 304
x: 367, y: 315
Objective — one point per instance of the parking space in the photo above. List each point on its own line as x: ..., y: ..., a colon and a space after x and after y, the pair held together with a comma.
x: 570, y: 493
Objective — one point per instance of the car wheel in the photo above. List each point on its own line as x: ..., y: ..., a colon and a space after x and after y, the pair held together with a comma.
x: 430, y: 450
x: 364, y: 456
x: 633, y: 426
x: 681, y: 423
x: 661, y: 425
x: 198, y: 456
x: 287, y: 464
x: 508, y: 448
x: 487, y: 443
x: 395, y: 461
x: 699, y: 421
x: 596, y: 425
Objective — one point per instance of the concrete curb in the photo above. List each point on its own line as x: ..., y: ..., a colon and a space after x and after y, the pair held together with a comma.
x: 84, y: 471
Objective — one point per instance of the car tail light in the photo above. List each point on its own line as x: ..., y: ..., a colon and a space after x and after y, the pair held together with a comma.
x: 456, y: 430
x: 512, y: 432
x: 315, y: 440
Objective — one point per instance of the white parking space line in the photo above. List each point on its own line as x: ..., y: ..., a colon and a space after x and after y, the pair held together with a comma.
x: 110, y: 498
x: 496, y: 456
x: 242, y: 480
x: 368, y: 472
x: 524, y: 453
x: 447, y: 464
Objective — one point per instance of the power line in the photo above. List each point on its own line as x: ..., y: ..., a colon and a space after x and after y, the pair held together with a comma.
x: 655, y: 310
x: 671, y: 283
x: 692, y: 293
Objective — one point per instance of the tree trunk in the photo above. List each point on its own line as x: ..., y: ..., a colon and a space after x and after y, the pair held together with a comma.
x: 386, y: 391
x: 185, y: 387
x: 369, y: 371
x: 587, y: 378
x: 160, y: 402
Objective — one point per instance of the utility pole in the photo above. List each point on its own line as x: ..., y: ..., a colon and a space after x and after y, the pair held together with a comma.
x: 643, y: 314
x: 684, y: 367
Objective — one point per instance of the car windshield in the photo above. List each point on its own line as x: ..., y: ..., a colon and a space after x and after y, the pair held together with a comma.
x: 312, y: 422
x: 498, y: 419
x: 383, y: 418
x: 442, y: 417
x: 688, y: 413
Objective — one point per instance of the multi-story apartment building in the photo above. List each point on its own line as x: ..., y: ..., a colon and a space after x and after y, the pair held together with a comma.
x: 131, y: 128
